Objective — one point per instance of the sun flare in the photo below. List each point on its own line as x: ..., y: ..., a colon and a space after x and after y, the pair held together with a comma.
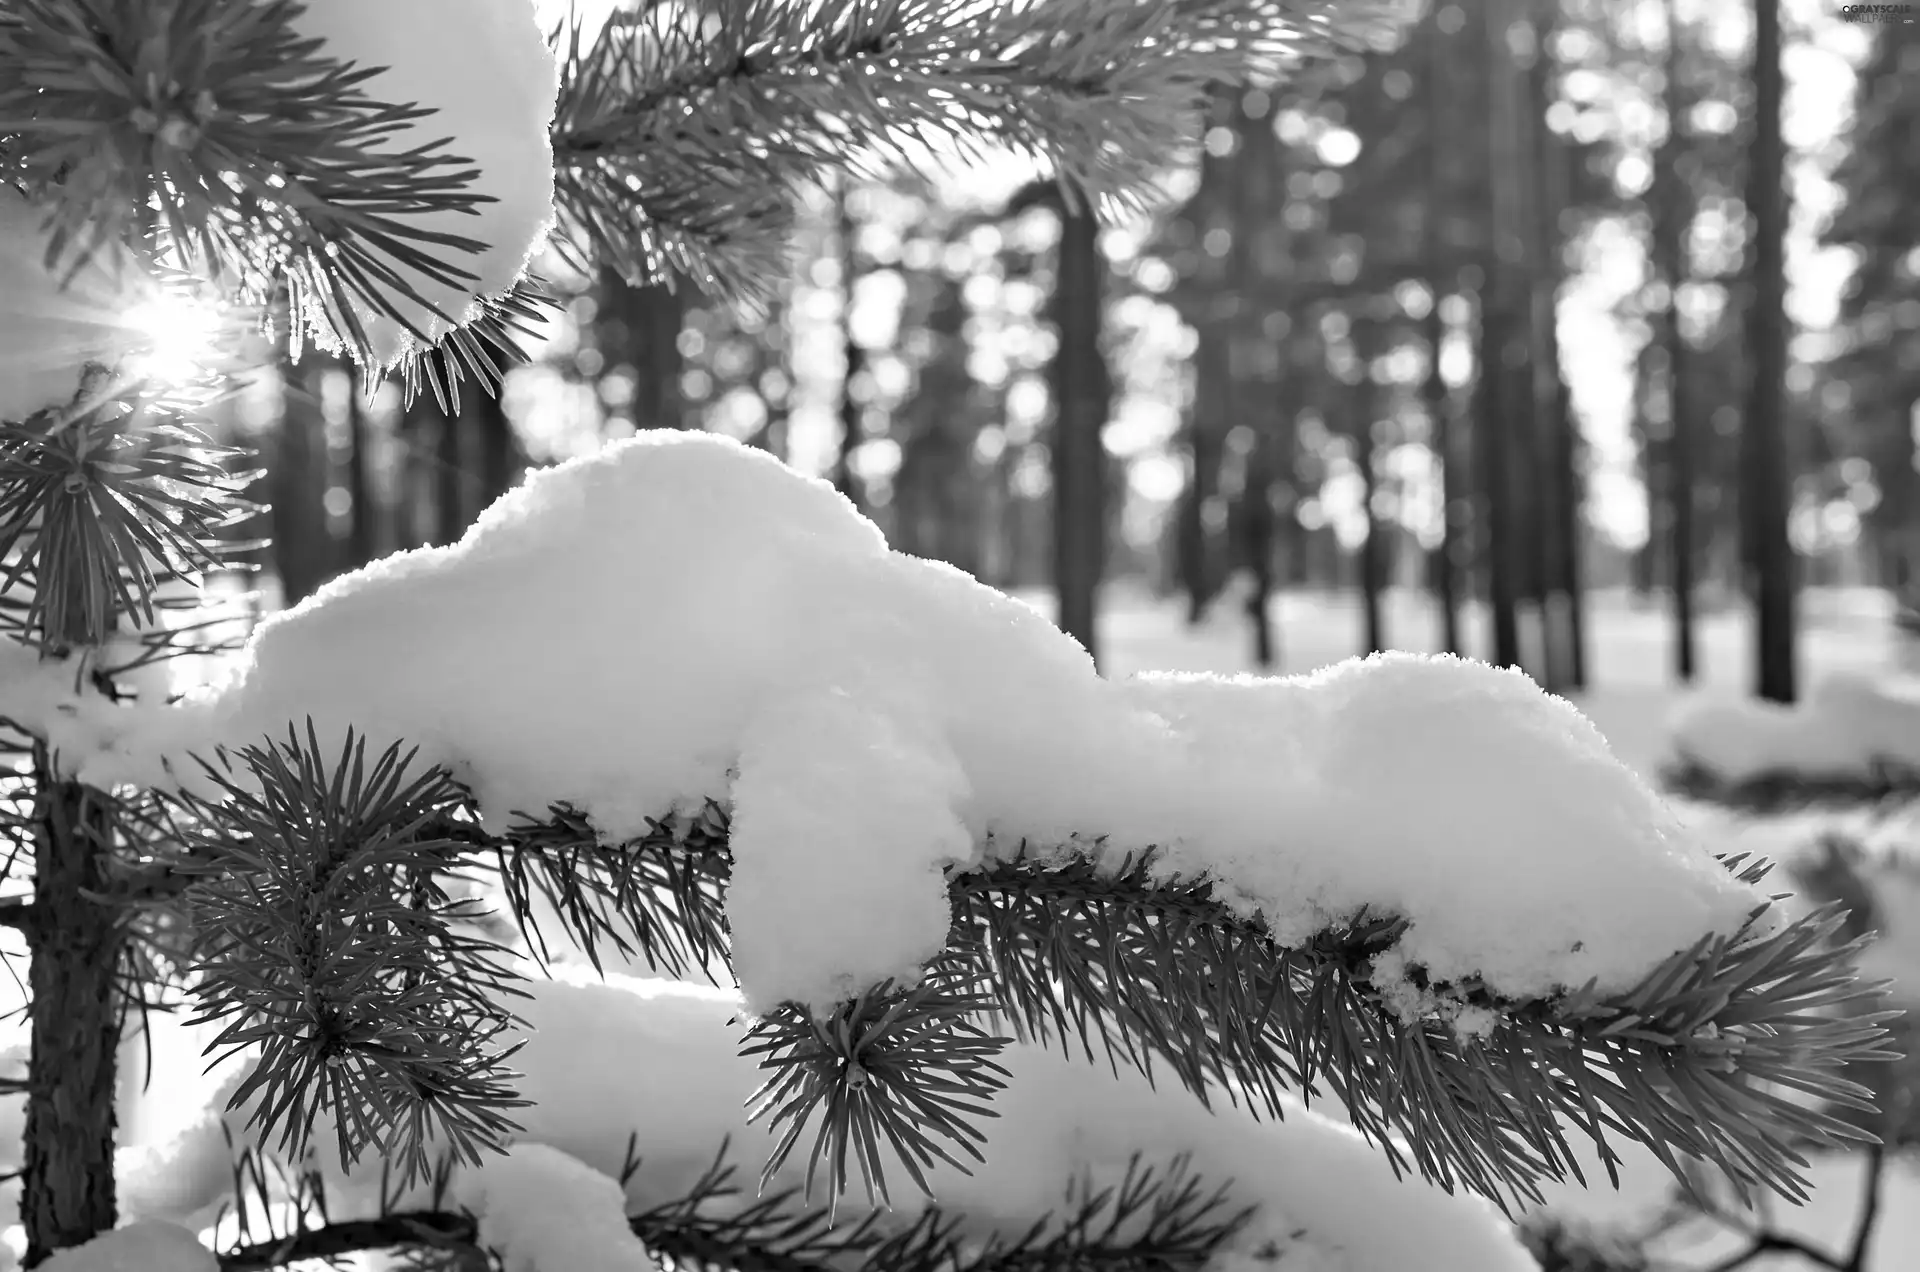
x: 178, y: 338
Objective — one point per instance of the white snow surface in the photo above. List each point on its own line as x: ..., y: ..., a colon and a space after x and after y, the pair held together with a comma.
x: 540, y: 1210
x: 485, y: 68
x: 48, y: 333
x: 1849, y: 723
x: 144, y: 1246
x: 680, y: 617
x: 653, y: 1066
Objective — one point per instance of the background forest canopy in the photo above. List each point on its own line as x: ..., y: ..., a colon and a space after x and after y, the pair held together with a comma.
x: 912, y: 356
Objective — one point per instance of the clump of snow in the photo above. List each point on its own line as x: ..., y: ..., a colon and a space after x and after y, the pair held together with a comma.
x: 186, y: 1176
x: 486, y: 70
x: 48, y: 333
x: 834, y: 786
x: 1447, y: 790
x: 682, y: 618
x: 652, y: 1068
x: 540, y: 1210
x: 145, y: 1246
x: 1849, y: 725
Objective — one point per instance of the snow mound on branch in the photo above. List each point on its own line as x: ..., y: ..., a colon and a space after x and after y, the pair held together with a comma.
x: 681, y: 618
x: 650, y: 1070
x: 542, y: 1211
x: 146, y: 1246
x: 1849, y: 725
x: 485, y: 69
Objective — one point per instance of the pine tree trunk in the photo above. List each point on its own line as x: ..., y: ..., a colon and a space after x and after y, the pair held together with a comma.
x: 1203, y: 438
x: 1080, y: 402
x: 637, y: 333
x: 1572, y: 494
x: 1258, y: 524
x: 856, y: 354
x: 1670, y: 220
x: 1443, y: 568
x: 296, y: 480
x: 363, y: 538
x: 67, y: 1186
x: 1563, y: 618
x: 1493, y: 453
x: 1766, y: 490
x: 1506, y: 329
x: 1365, y: 409
x: 1440, y: 437
x: 449, y: 480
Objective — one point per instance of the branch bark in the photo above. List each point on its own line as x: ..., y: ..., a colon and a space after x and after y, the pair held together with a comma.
x: 440, y: 1229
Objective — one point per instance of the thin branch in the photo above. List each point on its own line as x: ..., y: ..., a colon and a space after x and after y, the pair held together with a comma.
x: 1775, y: 1243
x: 1869, y: 1209
x: 437, y: 1228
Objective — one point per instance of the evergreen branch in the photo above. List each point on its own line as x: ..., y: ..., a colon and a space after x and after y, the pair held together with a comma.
x: 101, y: 511
x: 1702, y: 1058
x: 910, y: 1065
x: 325, y: 940
x: 657, y: 897
x: 715, y: 1228
x: 680, y: 133
x: 1768, y: 794
x: 212, y: 128
x: 482, y: 350
x: 1165, y: 1220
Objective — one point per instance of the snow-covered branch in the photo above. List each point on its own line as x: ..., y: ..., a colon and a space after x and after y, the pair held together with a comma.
x: 707, y: 680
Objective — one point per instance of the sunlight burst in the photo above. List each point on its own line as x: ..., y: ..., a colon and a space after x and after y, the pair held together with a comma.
x: 178, y: 337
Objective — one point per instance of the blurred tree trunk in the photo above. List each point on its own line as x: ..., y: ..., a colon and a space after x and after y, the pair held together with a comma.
x: 1900, y: 509
x: 449, y: 476
x: 1259, y: 524
x: 1443, y: 568
x: 1766, y: 488
x: 1203, y: 433
x: 1521, y: 282
x: 1672, y: 206
x: 856, y: 356
x: 296, y: 463
x: 1492, y: 453
x: 1258, y: 389
x: 1562, y: 501
x: 1082, y: 396
x: 1644, y: 567
x: 1210, y: 418
x: 363, y: 527
x: 1504, y: 422
x: 637, y: 330
x: 1365, y: 407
